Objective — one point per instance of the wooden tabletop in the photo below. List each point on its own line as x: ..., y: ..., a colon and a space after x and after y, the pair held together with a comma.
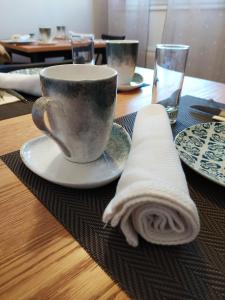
x: 39, y: 259
x: 36, y: 47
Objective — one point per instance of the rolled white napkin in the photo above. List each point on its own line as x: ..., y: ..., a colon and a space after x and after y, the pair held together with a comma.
x: 20, y: 37
x: 152, y: 197
x: 26, y: 83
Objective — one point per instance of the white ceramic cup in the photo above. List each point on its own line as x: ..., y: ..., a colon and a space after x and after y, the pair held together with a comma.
x: 45, y: 34
x: 122, y: 56
x: 80, y: 102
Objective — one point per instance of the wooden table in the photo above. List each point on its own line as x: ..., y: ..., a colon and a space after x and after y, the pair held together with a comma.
x: 39, y: 258
x: 38, y: 52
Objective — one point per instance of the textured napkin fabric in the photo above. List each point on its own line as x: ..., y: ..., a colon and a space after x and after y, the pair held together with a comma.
x: 152, y: 197
x: 6, y: 98
x: 29, y: 84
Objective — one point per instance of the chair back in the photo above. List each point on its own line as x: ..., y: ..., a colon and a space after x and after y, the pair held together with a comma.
x: 4, y: 55
x: 113, y: 37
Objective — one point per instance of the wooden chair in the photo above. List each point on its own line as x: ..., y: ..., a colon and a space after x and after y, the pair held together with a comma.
x: 4, y: 56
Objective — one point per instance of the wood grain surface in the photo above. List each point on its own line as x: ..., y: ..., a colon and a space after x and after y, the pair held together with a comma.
x: 39, y: 259
x: 57, y: 46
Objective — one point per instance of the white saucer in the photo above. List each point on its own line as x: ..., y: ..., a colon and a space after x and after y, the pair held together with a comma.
x: 136, y: 82
x: 43, y: 156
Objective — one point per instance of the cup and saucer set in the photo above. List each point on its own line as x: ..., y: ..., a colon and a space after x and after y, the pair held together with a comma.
x: 82, y: 146
x: 122, y: 56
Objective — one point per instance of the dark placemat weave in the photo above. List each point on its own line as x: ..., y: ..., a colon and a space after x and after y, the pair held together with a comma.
x: 16, y: 109
x: 193, y: 271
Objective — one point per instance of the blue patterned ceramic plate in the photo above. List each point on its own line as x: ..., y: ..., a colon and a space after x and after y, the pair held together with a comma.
x: 202, y: 147
x: 29, y: 71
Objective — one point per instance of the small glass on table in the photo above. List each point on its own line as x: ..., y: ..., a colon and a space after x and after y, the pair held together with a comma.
x: 170, y: 64
x: 60, y: 33
x: 82, y: 48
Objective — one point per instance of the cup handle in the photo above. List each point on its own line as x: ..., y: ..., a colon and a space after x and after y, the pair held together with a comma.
x: 39, y: 107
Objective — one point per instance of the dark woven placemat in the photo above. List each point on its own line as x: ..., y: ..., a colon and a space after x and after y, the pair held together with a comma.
x: 193, y: 271
x: 16, y: 109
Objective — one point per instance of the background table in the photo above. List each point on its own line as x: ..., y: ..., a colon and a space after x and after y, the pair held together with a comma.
x: 39, y: 258
x: 38, y: 53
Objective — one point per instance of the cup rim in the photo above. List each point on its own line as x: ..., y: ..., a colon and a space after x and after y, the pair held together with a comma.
x: 79, y: 34
x: 172, y: 46
x: 122, y: 42
x: 110, y: 72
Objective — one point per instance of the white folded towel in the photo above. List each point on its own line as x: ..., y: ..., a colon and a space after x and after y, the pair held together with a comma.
x: 152, y: 197
x: 26, y: 83
x: 20, y: 37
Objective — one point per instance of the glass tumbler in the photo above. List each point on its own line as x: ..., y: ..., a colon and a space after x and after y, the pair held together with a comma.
x: 60, y: 32
x: 170, y: 64
x: 82, y: 48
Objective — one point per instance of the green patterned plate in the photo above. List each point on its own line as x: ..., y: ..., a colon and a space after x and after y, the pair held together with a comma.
x: 202, y: 147
x: 29, y: 71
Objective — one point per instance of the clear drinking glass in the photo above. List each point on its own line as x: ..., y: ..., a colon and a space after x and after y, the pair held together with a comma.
x: 82, y: 48
x: 60, y: 32
x: 170, y: 64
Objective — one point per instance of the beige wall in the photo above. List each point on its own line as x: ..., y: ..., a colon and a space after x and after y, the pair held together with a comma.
x: 156, y: 25
x: 26, y: 16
